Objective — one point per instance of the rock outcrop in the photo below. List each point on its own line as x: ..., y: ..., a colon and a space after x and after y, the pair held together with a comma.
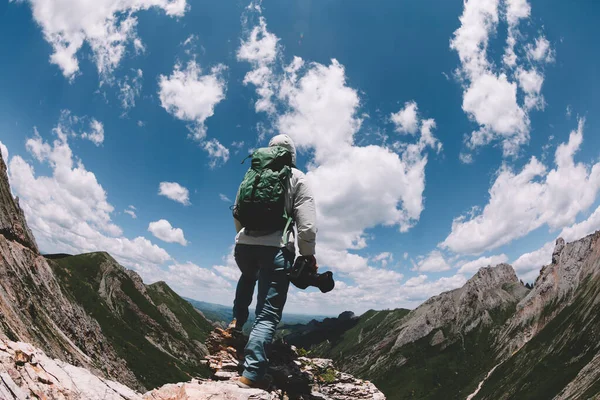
x: 292, y: 376
x: 554, y: 289
x: 27, y: 373
x: 89, y: 311
x: 12, y: 220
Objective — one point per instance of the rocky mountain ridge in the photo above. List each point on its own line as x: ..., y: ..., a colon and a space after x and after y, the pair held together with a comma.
x: 26, y: 373
x: 89, y: 311
x: 491, y: 339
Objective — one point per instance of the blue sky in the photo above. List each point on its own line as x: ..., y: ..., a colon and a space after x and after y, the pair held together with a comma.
x: 416, y: 122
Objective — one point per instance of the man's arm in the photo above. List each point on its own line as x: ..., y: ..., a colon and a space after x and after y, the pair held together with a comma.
x: 305, y: 215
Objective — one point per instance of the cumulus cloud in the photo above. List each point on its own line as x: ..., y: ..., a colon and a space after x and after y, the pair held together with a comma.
x: 529, y: 264
x: 217, y: 153
x: 68, y: 210
x: 434, y: 262
x: 384, y: 258
x: 313, y: 103
x: 407, y: 119
x: 472, y: 267
x: 521, y: 202
x: 491, y: 97
x: 187, y: 279
x: 541, y: 50
x: 107, y: 26
x: 96, y: 132
x: 190, y: 96
x: 175, y: 192
x: 260, y: 49
x: 163, y: 230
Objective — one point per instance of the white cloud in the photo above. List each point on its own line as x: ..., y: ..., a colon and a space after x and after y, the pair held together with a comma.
x: 541, y: 51
x: 229, y: 270
x: 107, y: 26
x: 187, y: 278
x: 175, y: 191
x: 531, y: 82
x: 131, y: 212
x: 384, y: 258
x: 68, y: 211
x: 217, y: 153
x: 224, y: 198
x: 473, y: 266
x: 129, y: 89
x: 524, y: 201
x: 491, y: 97
x: 466, y: 158
x: 582, y: 229
x: 534, y: 260
x: 434, y: 262
x: 190, y: 96
x: 260, y: 49
x: 163, y: 230
x: 96, y: 132
x: 407, y: 119
x: 516, y: 10
x: 4, y: 152
x: 322, y: 114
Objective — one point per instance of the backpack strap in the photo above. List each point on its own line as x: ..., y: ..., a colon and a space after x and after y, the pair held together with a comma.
x: 288, y: 227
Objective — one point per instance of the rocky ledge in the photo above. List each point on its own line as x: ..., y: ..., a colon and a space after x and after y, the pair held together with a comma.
x: 27, y: 373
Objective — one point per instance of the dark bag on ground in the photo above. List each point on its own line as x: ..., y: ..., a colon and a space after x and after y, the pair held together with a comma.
x: 303, y: 275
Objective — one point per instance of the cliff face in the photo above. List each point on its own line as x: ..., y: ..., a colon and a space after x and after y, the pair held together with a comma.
x: 89, y: 311
x: 491, y: 339
x: 438, y: 350
x: 12, y: 220
x: 550, y: 348
x: 34, y: 308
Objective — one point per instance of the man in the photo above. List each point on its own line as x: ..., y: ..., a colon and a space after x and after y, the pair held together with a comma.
x: 266, y: 257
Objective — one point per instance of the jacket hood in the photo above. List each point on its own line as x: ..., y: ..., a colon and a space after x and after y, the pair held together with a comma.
x: 286, y: 142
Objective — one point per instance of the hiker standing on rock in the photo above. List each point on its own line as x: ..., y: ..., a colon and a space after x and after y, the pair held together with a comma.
x: 273, y: 197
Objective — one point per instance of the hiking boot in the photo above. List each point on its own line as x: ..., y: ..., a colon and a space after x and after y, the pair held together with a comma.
x: 246, y: 383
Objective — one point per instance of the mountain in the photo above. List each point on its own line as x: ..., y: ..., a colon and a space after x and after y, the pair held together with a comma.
x: 89, y: 311
x: 221, y: 315
x: 329, y: 329
x: 26, y: 372
x: 491, y: 339
x: 554, y: 336
x: 149, y: 327
x: 439, y: 350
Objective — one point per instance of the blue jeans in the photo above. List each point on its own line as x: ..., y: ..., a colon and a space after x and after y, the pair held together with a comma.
x: 268, y: 266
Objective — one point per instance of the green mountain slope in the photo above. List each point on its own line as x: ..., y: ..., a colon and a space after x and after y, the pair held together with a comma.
x: 151, y: 329
x: 562, y: 359
x: 195, y: 325
x: 441, y: 350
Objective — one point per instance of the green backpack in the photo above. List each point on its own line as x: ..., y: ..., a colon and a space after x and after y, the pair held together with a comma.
x: 261, y: 196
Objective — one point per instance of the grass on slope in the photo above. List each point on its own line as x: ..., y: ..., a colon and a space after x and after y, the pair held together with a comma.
x: 196, y: 326
x: 79, y: 277
x: 549, y: 361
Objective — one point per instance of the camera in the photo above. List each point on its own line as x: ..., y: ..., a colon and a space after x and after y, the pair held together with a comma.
x: 304, y: 274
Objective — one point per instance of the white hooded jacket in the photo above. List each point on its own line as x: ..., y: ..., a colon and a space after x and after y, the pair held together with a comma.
x: 299, y: 203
